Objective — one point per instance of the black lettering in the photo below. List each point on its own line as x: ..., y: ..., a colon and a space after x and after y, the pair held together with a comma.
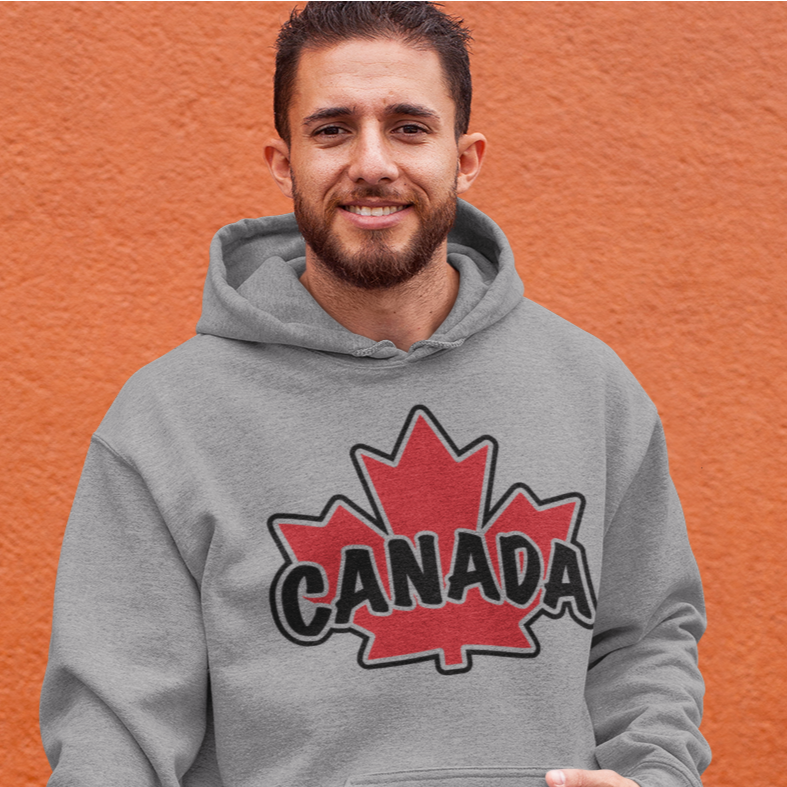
x: 471, y: 567
x: 519, y: 589
x: 405, y: 569
x: 565, y: 581
x: 359, y: 585
x: 291, y: 601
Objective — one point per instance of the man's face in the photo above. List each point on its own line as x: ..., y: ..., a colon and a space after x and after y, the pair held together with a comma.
x: 373, y: 159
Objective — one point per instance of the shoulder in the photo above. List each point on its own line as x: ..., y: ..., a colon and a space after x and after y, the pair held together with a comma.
x: 576, y: 369
x: 552, y: 341
x: 164, y: 391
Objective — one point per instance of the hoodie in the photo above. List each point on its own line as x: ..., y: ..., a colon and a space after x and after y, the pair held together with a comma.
x: 301, y: 558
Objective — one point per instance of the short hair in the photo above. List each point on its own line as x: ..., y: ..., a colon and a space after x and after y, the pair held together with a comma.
x: 420, y: 24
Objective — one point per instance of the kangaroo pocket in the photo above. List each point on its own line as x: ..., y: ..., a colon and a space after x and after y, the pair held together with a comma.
x: 454, y: 777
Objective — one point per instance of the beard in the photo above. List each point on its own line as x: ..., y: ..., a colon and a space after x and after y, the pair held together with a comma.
x: 376, y: 266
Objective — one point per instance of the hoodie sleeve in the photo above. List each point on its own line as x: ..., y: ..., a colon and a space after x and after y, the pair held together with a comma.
x: 125, y: 694
x: 644, y: 690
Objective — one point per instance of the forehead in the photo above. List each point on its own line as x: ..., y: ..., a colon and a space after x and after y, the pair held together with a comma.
x: 362, y: 72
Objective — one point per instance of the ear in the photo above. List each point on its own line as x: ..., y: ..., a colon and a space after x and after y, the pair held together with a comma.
x: 471, y: 149
x: 277, y: 156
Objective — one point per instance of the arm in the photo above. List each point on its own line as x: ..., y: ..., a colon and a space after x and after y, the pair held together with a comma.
x: 644, y: 690
x: 125, y: 693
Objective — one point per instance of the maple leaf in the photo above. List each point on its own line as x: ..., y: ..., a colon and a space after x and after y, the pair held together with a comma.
x: 434, y: 571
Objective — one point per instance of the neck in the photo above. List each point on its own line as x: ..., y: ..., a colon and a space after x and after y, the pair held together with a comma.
x: 404, y: 314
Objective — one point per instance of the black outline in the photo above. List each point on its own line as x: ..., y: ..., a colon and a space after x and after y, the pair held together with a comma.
x: 377, y: 521
x: 541, y: 573
x: 569, y: 604
x: 489, y: 562
x: 380, y: 587
x: 419, y: 557
x: 283, y: 574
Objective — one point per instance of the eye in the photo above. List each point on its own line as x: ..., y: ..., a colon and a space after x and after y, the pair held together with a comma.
x: 411, y: 129
x: 330, y: 132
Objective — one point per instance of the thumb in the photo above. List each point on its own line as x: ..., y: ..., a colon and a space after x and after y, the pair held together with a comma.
x: 572, y: 777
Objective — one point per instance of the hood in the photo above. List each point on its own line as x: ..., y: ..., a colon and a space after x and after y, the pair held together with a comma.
x: 253, y: 292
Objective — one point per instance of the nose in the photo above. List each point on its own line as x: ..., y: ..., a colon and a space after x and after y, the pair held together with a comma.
x: 372, y: 159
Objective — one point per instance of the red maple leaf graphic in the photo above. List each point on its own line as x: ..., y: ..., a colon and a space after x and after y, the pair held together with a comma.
x: 435, y: 572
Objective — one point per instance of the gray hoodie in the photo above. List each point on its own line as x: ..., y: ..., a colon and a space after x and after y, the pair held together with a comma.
x: 301, y: 558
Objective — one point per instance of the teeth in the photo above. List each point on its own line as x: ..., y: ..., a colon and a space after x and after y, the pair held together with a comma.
x: 362, y: 210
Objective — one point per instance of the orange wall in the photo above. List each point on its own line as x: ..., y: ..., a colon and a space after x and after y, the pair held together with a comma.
x: 638, y: 161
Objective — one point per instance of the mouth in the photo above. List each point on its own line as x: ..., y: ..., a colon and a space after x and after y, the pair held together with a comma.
x: 375, y: 210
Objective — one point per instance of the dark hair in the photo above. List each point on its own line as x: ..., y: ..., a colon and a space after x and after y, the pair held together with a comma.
x: 420, y: 24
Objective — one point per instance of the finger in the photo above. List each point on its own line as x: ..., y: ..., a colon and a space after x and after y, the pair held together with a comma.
x: 573, y: 777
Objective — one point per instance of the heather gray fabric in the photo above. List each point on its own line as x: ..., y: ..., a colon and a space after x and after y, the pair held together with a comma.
x: 300, y: 558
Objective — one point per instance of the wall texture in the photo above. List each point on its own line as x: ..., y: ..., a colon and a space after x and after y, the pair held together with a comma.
x: 638, y: 161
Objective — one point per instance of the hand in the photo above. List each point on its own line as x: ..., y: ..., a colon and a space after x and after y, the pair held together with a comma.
x: 570, y: 777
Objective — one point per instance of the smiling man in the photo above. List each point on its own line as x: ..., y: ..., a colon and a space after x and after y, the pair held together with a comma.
x: 383, y: 521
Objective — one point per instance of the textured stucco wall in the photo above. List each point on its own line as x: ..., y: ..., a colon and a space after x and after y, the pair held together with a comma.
x: 638, y: 161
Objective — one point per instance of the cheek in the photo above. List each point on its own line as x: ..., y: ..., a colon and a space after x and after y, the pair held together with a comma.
x: 438, y: 181
x: 315, y: 174
x: 436, y: 174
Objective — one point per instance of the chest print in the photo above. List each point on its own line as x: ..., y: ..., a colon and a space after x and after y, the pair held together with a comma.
x: 435, y: 567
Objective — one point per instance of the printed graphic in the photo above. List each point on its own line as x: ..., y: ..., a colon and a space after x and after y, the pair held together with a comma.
x: 434, y: 569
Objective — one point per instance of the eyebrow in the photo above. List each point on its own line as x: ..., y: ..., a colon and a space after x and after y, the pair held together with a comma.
x: 413, y: 110
x: 326, y: 114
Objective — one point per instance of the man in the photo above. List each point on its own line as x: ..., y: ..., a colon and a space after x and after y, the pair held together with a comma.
x: 375, y: 434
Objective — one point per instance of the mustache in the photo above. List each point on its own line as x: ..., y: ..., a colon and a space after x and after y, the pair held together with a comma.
x: 373, y: 192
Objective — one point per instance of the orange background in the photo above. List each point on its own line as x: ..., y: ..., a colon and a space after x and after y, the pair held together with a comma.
x: 638, y: 163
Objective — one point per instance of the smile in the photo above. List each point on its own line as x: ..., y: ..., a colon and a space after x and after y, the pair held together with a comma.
x: 363, y: 210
